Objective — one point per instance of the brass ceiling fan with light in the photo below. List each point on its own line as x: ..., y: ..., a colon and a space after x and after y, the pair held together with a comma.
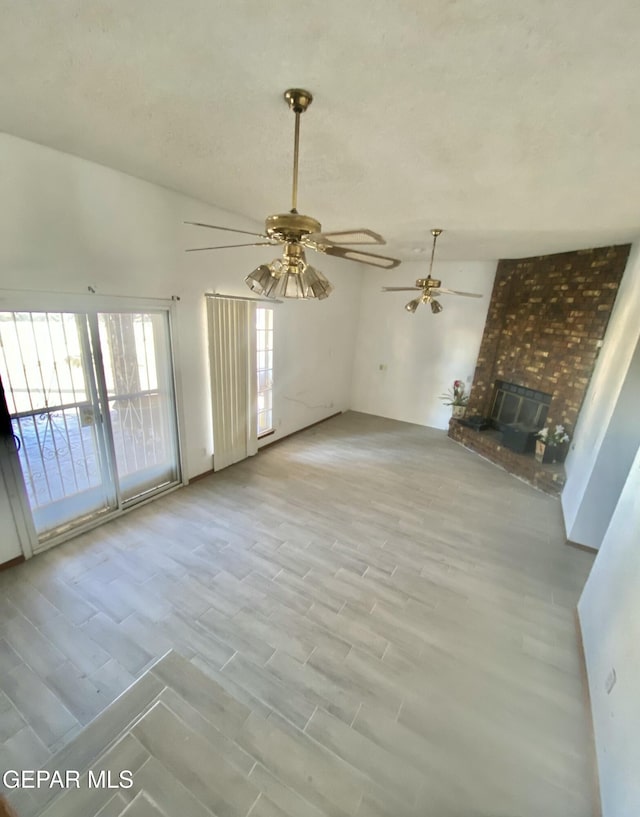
x: 291, y: 276
x: 431, y: 287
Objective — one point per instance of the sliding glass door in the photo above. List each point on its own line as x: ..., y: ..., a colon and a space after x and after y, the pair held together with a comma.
x: 136, y: 358
x: 93, y: 411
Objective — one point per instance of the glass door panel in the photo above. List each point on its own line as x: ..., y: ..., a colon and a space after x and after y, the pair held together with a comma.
x: 139, y: 390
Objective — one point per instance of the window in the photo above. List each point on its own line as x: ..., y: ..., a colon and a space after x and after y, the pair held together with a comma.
x: 264, y: 365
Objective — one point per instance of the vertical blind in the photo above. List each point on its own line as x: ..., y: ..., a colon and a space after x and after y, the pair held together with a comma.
x: 233, y: 364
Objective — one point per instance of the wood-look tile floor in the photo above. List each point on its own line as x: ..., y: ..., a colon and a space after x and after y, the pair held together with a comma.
x: 364, y: 583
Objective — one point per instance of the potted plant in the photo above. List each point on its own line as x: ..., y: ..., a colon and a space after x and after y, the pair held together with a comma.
x: 457, y: 399
x: 552, y: 444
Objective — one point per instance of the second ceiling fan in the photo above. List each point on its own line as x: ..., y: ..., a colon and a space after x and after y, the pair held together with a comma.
x: 291, y: 276
x: 430, y: 287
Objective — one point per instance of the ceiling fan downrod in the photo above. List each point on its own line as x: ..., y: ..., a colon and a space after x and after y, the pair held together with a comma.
x: 435, y: 233
x: 298, y: 100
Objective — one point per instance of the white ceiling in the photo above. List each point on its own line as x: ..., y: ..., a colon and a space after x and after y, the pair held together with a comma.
x: 512, y: 124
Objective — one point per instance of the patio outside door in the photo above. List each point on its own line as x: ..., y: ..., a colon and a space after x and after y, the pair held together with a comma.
x: 92, y: 406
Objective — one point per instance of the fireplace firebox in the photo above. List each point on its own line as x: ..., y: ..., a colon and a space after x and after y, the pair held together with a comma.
x: 518, y: 406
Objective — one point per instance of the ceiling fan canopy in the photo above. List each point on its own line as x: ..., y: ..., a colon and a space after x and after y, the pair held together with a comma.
x: 430, y: 287
x: 291, y: 276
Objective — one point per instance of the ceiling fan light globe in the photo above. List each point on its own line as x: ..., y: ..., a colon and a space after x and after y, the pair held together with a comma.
x: 273, y: 287
x: 291, y: 285
x: 320, y: 290
x: 321, y: 294
x: 315, y: 284
x: 277, y: 267
x: 436, y: 306
x: 258, y: 280
x: 412, y: 305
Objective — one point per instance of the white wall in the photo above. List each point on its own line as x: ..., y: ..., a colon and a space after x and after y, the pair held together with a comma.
x: 603, y: 419
x: 612, y: 464
x: 422, y: 353
x: 609, y: 611
x: 66, y: 223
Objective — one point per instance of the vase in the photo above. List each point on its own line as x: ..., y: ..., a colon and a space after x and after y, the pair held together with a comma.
x: 458, y: 412
x: 550, y: 453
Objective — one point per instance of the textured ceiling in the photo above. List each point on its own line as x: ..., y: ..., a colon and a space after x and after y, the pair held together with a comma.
x: 513, y: 125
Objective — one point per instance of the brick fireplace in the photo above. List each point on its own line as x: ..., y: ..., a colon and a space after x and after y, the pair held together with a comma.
x: 546, y: 322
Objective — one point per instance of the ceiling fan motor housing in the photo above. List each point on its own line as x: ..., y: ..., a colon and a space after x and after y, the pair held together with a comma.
x: 428, y: 283
x: 290, y: 226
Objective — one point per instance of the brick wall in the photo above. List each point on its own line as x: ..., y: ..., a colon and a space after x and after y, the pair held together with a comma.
x: 546, y: 320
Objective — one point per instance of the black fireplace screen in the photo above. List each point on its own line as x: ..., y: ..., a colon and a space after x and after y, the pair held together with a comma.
x: 517, y: 404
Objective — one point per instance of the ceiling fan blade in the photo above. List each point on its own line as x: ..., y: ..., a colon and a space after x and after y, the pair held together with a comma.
x: 400, y: 289
x: 226, y: 229
x: 229, y: 246
x: 363, y: 257
x: 445, y: 291
x: 347, y: 237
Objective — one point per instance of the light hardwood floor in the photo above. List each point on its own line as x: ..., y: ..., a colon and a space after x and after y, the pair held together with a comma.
x: 366, y: 583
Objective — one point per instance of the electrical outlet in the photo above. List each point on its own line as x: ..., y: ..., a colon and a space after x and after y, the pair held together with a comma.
x: 610, y: 680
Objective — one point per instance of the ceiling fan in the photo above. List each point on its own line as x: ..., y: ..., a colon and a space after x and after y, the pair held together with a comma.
x: 430, y: 287
x: 291, y: 276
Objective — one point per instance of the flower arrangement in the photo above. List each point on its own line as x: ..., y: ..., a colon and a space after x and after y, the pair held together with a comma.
x: 456, y: 395
x: 553, y: 437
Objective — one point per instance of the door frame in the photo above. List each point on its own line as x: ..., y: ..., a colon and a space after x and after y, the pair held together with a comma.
x: 11, y: 476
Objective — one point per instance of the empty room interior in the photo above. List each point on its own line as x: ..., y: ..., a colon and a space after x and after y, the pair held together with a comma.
x: 320, y: 372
